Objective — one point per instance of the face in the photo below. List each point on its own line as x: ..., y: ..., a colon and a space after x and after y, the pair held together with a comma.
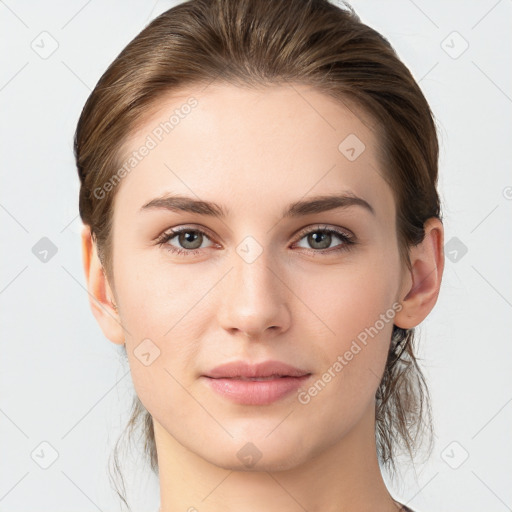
x: 315, y: 289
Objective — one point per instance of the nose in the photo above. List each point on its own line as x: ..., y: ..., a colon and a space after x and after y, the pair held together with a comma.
x: 254, y: 302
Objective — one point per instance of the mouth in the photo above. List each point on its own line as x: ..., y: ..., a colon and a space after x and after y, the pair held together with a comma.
x: 255, y: 391
x: 245, y: 370
x: 258, y: 379
x: 247, y: 383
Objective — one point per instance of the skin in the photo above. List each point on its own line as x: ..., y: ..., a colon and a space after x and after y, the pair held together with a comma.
x: 289, y: 304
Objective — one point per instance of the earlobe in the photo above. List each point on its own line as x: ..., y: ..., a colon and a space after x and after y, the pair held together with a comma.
x: 427, y: 261
x: 100, y: 293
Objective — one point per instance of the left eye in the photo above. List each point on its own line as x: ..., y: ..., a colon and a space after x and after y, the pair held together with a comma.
x: 191, y: 240
x: 321, y: 239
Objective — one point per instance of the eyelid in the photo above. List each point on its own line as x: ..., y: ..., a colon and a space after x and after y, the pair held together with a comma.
x: 185, y: 227
x: 324, y: 227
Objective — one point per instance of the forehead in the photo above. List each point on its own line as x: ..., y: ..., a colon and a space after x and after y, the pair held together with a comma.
x: 239, y: 145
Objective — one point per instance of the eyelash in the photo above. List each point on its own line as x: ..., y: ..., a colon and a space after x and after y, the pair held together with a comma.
x: 347, y: 240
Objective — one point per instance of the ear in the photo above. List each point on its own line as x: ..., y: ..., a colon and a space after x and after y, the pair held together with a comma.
x: 100, y: 293
x: 423, y: 282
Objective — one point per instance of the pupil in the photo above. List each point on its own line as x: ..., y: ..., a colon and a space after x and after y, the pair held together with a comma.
x: 189, y: 237
x: 317, y: 238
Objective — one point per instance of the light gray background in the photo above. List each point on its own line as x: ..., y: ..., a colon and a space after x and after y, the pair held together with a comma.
x: 61, y: 381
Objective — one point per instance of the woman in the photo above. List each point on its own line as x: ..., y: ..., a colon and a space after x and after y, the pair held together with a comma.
x: 262, y: 233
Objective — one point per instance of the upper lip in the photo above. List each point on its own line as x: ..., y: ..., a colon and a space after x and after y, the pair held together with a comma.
x: 247, y: 370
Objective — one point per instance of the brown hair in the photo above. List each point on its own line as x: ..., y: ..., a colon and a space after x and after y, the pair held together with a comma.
x: 261, y: 42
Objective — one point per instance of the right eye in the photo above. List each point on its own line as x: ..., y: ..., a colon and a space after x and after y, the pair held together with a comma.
x: 190, y: 239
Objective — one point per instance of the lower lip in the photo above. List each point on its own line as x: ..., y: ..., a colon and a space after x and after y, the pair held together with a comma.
x: 251, y: 392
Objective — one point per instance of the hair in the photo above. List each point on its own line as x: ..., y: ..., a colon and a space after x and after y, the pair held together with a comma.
x: 261, y: 43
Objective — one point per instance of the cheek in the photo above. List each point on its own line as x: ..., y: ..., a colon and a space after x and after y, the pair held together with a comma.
x: 159, y: 310
x: 349, y: 299
x: 358, y: 322
x: 355, y: 308
x: 162, y: 347
x: 158, y: 297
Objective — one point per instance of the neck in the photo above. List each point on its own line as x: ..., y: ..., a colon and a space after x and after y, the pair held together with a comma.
x: 345, y: 477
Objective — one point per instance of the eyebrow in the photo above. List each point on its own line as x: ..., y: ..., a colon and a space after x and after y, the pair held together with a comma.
x: 312, y: 205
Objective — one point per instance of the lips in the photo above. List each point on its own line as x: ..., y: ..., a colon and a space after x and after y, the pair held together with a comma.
x: 255, y: 384
x: 266, y: 370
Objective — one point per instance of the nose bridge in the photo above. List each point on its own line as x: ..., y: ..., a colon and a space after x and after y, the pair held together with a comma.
x: 254, y: 298
x: 253, y: 273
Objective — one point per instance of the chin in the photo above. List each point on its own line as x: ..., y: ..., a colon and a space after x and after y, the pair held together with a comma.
x: 256, y: 456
